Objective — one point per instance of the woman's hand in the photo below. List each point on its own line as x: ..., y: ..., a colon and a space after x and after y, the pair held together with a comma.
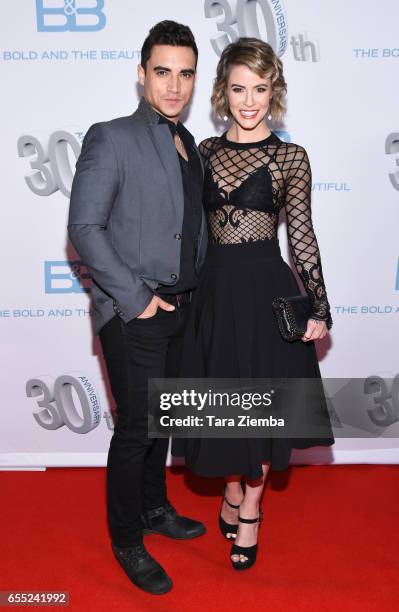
x: 315, y: 330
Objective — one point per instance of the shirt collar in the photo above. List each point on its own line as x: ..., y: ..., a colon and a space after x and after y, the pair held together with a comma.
x: 174, y: 128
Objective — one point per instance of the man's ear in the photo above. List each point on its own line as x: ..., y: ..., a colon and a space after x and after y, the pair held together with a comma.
x: 141, y: 74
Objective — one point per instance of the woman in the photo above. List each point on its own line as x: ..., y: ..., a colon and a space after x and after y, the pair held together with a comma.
x: 250, y: 175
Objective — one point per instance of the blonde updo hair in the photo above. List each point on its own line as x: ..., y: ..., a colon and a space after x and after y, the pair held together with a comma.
x: 259, y: 57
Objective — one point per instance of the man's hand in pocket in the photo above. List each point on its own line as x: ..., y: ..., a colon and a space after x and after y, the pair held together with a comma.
x: 153, y: 306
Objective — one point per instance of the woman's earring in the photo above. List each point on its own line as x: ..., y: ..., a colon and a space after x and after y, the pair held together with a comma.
x: 225, y: 117
x: 269, y: 115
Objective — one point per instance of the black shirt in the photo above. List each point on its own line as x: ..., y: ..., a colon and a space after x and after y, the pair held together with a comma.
x: 191, y: 173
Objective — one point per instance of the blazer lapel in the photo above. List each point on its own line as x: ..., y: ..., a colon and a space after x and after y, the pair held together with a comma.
x: 166, y: 150
x: 163, y: 143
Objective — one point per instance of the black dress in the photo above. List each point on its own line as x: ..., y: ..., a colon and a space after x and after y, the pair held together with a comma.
x: 232, y: 331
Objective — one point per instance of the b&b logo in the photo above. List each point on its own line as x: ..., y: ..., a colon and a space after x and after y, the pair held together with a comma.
x: 69, y: 18
x: 66, y: 277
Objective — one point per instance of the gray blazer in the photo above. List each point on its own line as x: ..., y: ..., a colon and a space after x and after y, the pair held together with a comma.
x: 126, y: 213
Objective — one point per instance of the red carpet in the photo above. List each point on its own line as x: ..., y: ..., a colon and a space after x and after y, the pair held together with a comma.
x: 329, y: 540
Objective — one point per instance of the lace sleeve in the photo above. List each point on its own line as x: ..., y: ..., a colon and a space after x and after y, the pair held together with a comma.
x: 206, y: 148
x: 301, y: 236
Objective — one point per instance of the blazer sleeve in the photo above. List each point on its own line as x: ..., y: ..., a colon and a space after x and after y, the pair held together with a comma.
x: 94, y: 189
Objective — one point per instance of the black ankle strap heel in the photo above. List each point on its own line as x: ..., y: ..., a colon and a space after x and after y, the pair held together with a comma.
x: 250, y: 552
x: 228, y: 530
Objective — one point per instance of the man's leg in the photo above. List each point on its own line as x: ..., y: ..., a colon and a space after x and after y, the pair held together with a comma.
x: 160, y: 517
x: 133, y: 353
x: 154, y: 485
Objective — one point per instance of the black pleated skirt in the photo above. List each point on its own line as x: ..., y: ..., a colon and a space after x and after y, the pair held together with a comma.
x: 232, y: 333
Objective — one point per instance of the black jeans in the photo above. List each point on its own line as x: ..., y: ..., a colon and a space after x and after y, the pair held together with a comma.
x: 134, y: 352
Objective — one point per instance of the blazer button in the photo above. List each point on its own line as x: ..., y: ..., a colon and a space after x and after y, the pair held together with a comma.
x: 178, y: 236
x: 174, y: 276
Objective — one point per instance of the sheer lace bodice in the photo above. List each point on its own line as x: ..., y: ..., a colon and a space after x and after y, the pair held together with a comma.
x: 246, y: 185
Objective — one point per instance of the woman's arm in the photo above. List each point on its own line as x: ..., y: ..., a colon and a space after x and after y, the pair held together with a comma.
x: 301, y: 236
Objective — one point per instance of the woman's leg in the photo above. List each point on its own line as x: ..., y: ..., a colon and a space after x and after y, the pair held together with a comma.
x: 248, y: 532
x: 234, y: 494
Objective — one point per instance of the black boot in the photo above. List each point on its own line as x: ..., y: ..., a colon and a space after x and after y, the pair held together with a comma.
x: 142, y: 569
x: 165, y: 521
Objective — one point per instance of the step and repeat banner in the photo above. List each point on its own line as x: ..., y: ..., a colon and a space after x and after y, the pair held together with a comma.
x: 66, y: 64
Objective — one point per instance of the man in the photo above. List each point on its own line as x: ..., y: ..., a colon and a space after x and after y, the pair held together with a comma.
x: 137, y: 222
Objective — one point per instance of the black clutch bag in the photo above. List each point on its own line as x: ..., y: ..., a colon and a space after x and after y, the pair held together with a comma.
x: 292, y: 315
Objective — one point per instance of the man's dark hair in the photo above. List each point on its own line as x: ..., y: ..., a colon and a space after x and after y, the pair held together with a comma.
x: 168, y: 33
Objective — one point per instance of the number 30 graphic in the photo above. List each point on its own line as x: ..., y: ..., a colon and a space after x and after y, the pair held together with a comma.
x: 49, y: 160
x: 392, y: 148
x: 57, y: 402
x: 241, y: 19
